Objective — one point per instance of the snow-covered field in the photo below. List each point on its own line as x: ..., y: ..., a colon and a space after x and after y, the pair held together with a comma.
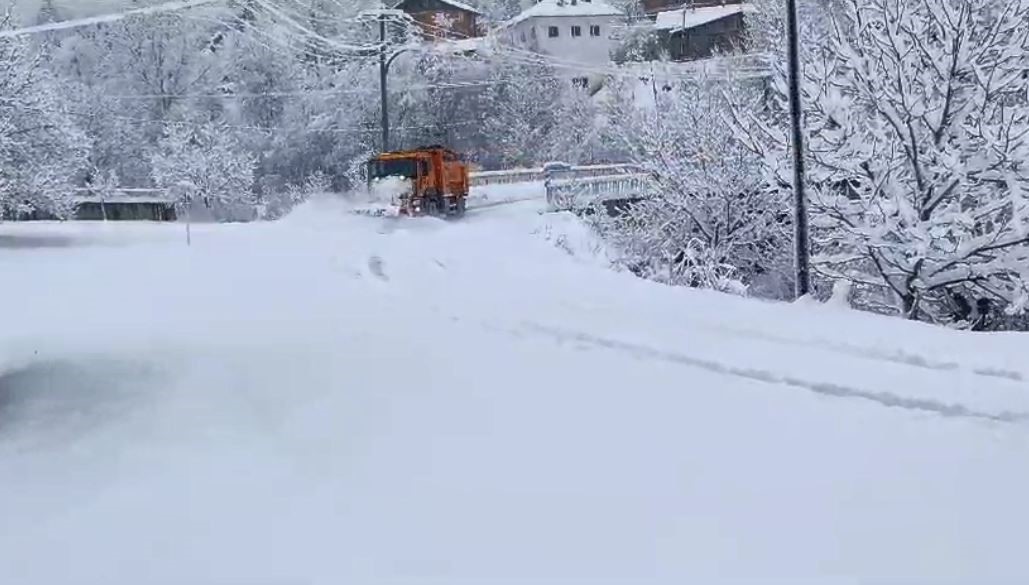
x: 342, y: 399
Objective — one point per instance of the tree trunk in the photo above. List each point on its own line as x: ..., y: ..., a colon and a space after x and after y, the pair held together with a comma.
x: 910, y: 306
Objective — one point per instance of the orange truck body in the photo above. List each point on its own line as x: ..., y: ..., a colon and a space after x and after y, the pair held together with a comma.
x: 438, y: 176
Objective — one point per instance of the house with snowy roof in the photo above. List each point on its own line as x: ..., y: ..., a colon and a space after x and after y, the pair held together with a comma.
x: 443, y: 19
x: 699, y: 29
x: 572, y: 32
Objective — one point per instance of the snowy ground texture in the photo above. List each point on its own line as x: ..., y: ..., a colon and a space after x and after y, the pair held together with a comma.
x: 342, y: 399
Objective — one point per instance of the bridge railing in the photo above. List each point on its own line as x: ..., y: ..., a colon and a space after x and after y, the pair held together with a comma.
x: 564, y: 194
x: 507, y: 177
x: 486, y: 178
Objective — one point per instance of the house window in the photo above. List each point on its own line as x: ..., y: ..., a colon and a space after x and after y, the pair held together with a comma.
x: 595, y: 30
x: 553, y: 32
x: 576, y: 31
x: 581, y: 82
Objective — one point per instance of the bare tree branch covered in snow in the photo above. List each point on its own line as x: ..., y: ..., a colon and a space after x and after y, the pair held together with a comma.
x: 203, y: 162
x: 580, y: 129
x: 918, y: 128
x: 708, y: 219
x: 41, y: 149
x: 520, y: 111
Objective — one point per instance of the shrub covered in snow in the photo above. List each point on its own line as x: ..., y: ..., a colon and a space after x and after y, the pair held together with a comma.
x: 707, y: 218
x: 41, y: 149
x: 204, y: 163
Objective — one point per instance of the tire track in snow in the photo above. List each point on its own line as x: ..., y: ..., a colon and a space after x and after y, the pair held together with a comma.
x: 898, y: 356
x: 887, y: 399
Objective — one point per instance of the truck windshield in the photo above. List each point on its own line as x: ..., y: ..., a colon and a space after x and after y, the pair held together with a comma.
x: 392, y: 168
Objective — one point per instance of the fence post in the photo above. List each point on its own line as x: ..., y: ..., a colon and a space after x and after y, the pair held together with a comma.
x: 548, y: 184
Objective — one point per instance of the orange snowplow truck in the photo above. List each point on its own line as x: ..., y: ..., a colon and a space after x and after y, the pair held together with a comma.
x: 432, y: 180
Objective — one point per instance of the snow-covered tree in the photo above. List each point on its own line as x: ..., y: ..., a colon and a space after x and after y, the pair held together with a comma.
x: 577, y: 136
x: 333, y: 120
x: 118, y: 130
x: 499, y: 10
x: 127, y: 78
x: 520, y: 112
x: 104, y: 185
x: 41, y: 148
x: 164, y: 56
x: 919, y: 141
x: 766, y: 27
x: 707, y: 219
x: 203, y: 162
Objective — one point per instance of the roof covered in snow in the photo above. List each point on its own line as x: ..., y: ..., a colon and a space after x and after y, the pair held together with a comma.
x: 454, y: 3
x: 123, y: 200
x: 687, y: 18
x: 580, y: 8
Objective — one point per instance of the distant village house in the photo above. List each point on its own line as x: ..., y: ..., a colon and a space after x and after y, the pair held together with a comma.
x: 443, y: 19
x: 699, y: 29
x: 576, y: 34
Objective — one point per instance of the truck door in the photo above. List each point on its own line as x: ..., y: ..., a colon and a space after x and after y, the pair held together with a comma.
x: 455, y: 184
x: 439, y: 176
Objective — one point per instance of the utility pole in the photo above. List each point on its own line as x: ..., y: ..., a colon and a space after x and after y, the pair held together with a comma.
x: 802, y: 249
x: 385, y: 61
x: 383, y: 75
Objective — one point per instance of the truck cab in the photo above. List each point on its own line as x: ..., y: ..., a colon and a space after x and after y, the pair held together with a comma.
x: 426, y: 181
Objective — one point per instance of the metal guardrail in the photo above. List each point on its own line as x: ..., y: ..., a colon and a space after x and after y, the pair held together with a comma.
x: 507, y: 177
x: 486, y: 178
x: 565, y: 194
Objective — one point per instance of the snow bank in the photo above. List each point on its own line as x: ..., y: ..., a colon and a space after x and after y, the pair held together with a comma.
x: 493, y: 195
x: 569, y: 233
x: 334, y: 398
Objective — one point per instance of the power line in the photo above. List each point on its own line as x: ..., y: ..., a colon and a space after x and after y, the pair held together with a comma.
x: 334, y: 130
x: 272, y: 39
x: 105, y: 18
x: 335, y: 43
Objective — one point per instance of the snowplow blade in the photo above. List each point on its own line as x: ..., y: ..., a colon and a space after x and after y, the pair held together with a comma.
x: 377, y: 211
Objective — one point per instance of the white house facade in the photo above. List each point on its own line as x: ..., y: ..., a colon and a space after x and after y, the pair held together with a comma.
x: 570, y: 31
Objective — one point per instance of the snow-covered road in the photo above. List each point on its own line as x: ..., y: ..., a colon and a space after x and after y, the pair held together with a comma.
x: 342, y: 399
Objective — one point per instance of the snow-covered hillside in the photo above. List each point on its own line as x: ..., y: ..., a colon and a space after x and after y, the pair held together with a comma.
x: 344, y: 399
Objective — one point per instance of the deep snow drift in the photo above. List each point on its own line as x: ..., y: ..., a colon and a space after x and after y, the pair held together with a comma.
x: 342, y: 399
